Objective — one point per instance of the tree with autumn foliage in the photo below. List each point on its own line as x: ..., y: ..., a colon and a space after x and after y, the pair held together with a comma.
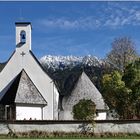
x: 123, y: 53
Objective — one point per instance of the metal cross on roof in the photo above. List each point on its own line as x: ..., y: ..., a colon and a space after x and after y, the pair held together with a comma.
x: 22, y: 54
x: 21, y: 18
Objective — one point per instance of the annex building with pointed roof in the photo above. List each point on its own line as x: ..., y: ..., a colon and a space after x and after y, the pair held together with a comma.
x: 84, y: 89
x: 27, y: 92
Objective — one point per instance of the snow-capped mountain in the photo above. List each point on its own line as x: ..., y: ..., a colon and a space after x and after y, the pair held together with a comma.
x: 62, y: 62
x: 92, y: 61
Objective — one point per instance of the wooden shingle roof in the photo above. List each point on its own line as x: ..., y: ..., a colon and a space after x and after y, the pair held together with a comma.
x: 23, y: 91
x: 84, y: 89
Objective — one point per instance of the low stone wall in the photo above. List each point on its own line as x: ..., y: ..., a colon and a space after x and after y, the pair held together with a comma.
x: 117, y: 126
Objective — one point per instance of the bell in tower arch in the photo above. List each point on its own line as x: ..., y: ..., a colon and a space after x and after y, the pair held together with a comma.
x: 23, y: 37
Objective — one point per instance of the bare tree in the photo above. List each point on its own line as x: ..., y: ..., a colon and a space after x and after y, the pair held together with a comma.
x: 123, y: 52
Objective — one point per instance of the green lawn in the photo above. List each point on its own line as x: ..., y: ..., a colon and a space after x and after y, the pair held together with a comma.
x: 72, y: 135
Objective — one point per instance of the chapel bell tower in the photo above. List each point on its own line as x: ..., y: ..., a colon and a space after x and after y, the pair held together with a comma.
x: 23, y: 36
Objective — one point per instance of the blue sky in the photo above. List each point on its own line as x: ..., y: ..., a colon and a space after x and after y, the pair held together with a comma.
x: 70, y: 28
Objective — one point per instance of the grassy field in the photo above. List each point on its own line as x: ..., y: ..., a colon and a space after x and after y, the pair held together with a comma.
x: 70, y: 138
x: 72, y: 135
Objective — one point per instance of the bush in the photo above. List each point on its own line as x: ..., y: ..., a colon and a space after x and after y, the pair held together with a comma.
x: 84, y: 110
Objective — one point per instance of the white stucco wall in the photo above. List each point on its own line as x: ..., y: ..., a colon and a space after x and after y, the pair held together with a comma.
x: 68, y: 115
x: 106, y: 127
x: 56, y: 99
x: 65, y: 115
x: 40, y: 79
x: 34, y: 113
x: 101, y: 116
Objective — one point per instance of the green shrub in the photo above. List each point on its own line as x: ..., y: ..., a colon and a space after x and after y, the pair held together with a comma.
x: 84, y: 110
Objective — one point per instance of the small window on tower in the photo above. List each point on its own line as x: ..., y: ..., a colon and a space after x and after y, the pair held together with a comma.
x: 22, y: 36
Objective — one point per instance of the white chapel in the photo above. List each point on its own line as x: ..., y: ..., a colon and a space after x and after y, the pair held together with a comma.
x: 26, y: 91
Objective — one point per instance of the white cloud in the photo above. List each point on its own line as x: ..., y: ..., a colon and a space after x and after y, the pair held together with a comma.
x: 63, y: 23
x: 112, y: 15
x: 122, y: 14
x: 137, y: 15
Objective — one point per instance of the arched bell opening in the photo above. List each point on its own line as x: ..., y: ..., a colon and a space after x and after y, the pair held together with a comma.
x: 23, y: 37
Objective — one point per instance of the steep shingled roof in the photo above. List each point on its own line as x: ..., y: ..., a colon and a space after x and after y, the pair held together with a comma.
x: 27, y: 91
x: 84, y: 89
x: 2, y: 65
x: 22, y: 90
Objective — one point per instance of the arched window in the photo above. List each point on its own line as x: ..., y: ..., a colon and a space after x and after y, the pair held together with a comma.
x: 22, y: 36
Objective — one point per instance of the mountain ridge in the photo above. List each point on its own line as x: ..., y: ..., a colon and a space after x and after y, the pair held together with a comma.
x: 63, y: 62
